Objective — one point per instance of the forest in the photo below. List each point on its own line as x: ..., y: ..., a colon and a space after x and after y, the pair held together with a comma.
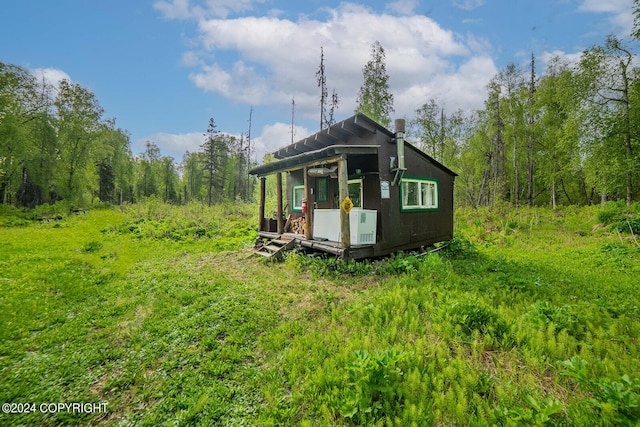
x: 57, y: 146
x: 568, y: 135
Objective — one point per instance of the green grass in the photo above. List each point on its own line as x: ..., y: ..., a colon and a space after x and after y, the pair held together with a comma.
x: 529, y: 317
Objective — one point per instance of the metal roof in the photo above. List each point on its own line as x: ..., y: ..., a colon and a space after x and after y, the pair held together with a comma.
x: 330, y: 142
x: 358, y: 125
x: 310, y: 158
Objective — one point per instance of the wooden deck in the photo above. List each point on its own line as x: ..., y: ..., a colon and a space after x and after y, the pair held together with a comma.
x: 334, y: 248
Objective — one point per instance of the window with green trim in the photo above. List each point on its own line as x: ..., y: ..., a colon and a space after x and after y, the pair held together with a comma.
x: 419, y: 194
x: 355, y: 192
x: 297, y: 194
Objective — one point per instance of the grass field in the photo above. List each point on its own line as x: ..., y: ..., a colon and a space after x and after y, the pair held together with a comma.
x: 160, y: 314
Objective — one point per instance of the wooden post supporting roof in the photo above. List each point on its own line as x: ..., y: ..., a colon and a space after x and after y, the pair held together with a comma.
x: 262, y: 197
x: 279, y: 196
x: 308, y: 217
x: 343, y: 191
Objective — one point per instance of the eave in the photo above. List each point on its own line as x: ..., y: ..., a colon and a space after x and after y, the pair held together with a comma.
x: 324, y: 155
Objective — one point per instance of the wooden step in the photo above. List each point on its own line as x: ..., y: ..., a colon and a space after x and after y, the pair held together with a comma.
x: 280, y: 241
x: 264, y: 254
x: 274, y: 248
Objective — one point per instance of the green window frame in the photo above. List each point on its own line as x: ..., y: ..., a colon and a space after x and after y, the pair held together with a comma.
x: 297, y: 194
x: 419, y: 194
x: 355, y: 192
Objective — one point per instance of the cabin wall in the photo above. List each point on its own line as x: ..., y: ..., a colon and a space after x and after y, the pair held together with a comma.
x: 404, y: 230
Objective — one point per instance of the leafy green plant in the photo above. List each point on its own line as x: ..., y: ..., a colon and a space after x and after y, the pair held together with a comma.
x: 399, y: 263
x: 458, y: 248
x: 475, y: 316
x: 92, y: 246
x: 374, y: 379
x: 334, y: 268
x: 562, y: 317
x: 539, y: 412
x: 617, y: 401
x: 620, y: 217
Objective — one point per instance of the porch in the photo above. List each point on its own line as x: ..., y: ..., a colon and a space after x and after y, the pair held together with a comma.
x: 320, y: 196
x: 334, y: 248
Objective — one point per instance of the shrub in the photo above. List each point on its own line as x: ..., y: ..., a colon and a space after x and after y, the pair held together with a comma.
x: 321, y: 266
x: 459, y: 248
x: 563, y: 317
x: 618, y: 216
x: 398, y: 263
x: 475, y: 316
x: 374, y: 379
x: 92, y: 246
x: 618, y: 402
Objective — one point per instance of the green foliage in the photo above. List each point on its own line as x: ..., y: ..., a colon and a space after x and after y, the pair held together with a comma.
x: 13, y: 217
x: 563, y: 318
x: 458, y: 248
x: 535, y: 327
x: 373, y: 384
x: 374, y: 98
x: 474, y: 316
x: 537, y: 413
x: 192, y: 222
x: 92, y: 246
x: 399, y: 263
x: 334, y: 268
x: 56, y: 145
x: 617, y: 402
x: 620, y: 217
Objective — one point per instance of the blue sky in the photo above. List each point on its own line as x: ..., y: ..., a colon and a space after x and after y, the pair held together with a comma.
x: 162, y: 68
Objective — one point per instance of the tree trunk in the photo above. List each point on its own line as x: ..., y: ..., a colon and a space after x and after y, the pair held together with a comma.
x: 627, y: 134
x: 516, y: 172
x: 530, y: 137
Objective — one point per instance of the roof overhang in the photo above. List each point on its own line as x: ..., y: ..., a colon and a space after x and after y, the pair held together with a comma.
x: 357, y: 126
x: 328, y: 154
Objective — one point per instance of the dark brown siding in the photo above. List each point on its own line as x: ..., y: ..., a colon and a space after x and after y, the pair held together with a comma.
x: 414, y: 229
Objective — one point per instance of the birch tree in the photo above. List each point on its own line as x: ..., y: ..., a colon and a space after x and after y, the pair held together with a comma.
x: 374, y: 98
x: 607, y: 75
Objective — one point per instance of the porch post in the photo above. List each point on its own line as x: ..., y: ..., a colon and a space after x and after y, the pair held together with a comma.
x: 343, y: 192
x: 308, y: 219
x: 262, y: 197
x: 279, y: 196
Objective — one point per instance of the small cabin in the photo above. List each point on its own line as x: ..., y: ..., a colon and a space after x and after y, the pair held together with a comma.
x: 356, y: 190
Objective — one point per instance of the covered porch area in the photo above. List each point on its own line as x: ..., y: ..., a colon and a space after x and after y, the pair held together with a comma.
x: 318, y: 186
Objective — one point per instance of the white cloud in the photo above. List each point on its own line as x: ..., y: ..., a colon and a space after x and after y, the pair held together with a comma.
x: 462, y: 88
x: 185, y: 9
x: 51, y: 76
x: 172, y: 145
x: 402, y: 7
x: 620, y: 11
x: 468, y: 4
x: 611, y: 6
x: 272, y: 137
x: 267, y: 60
x: 191, y: 59
x: 240, y: 83
x: 174, y: 9
x: 275, y: 136
x: 278, y: 58
x: 569, y: 58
